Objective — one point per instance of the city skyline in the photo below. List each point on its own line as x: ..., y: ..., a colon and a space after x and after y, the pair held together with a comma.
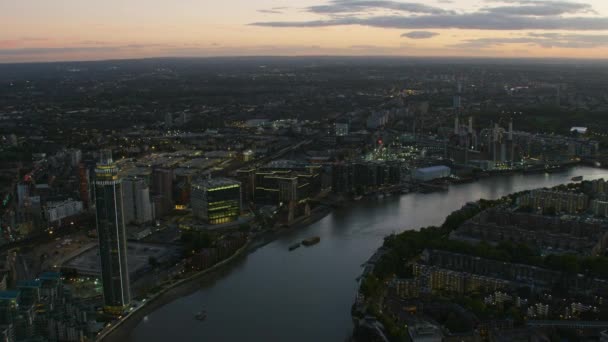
x: 39, y: 31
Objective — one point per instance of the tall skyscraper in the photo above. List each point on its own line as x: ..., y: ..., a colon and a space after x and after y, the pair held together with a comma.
x: 112, y: 235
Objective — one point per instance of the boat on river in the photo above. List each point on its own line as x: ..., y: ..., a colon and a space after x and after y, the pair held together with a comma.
x: 294, y: 246
x: 577, y: 178
x: 201, y: 315
x: 311, y: 241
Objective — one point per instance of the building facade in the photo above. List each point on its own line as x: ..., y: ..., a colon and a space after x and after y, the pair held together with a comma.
x: 57, y: 211
x: 562, y: 202
x: 216, y: 201
x: 136, y: 201
x: 112, y: 235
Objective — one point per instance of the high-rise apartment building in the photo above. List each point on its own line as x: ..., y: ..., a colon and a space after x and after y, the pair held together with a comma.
x: 112, y: 235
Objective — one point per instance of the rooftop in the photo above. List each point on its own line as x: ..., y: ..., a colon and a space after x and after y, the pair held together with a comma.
x: 434, y: 168
x: 9, y: 295
x: 89, y: 262
x: 28, y: 283
x: 215, y: 183
x: 50, y: 276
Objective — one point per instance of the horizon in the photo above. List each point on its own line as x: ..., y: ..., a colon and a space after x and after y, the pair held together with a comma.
x: 534, y: 60
x: 66, y: 30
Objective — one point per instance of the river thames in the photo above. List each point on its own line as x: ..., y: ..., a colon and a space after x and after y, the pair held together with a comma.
x: 306, y: 294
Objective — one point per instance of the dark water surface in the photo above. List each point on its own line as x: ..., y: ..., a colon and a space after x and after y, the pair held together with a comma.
x: 306, y: 295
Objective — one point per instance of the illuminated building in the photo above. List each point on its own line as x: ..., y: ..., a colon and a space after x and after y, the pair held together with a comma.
x: 566, y: 202
x: 407, y: 288
x: 599, y: 208
x: 436, y: 279
x: 216, y: 201
x: 599, y: 186
x: 342, y: 129
x: 112, y: 235
x: 284, y: 181
x: 57, y: 211
x: 248, y: 155
x: 9, y: 303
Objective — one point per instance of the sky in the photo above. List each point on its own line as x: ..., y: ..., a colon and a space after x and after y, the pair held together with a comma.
x: 54, y: 30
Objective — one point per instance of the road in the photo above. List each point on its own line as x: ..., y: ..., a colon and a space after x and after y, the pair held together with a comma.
x: 262, y: 161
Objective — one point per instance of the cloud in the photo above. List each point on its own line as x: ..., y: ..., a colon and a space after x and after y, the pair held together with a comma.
x: 77, y: 49
x: 93, y: 42
x: 543, y: 3
x: 545, y: 40
x: 33, y: 39
x: 288, y: 50
x: 365, y: 47
x: 9, y: 43
x: 516, y: 15
x: 46, y: 51
x: 466, y: 21
x: 18, y: 42
x: 270, y: 11
x: 355, y: 6
x: 419, y: 34
x: 540, y: 8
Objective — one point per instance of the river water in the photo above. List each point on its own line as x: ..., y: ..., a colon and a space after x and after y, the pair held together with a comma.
x: 306, y: 294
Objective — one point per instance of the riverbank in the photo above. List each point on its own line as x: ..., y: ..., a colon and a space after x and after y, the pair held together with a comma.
x: 119, y: 330
x: 374, y: 319
x: 167, y: 294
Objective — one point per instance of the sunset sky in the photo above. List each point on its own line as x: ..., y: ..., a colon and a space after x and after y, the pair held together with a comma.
x: 51, y: 30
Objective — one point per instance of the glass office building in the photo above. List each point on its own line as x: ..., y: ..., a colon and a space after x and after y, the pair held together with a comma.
x: 216, y: 201
x: 112, y: 235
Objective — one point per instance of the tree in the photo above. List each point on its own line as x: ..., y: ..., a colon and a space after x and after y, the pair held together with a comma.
x: 196, y: 240
x: 153, y: 262
x: 244, y: 227
x: 369, y: 286
x: 456, y: 324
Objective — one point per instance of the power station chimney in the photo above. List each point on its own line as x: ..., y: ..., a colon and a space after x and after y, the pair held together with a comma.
x: 511, y: 130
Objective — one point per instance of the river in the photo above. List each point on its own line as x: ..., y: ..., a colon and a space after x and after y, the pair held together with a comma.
x: 306, y: 294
